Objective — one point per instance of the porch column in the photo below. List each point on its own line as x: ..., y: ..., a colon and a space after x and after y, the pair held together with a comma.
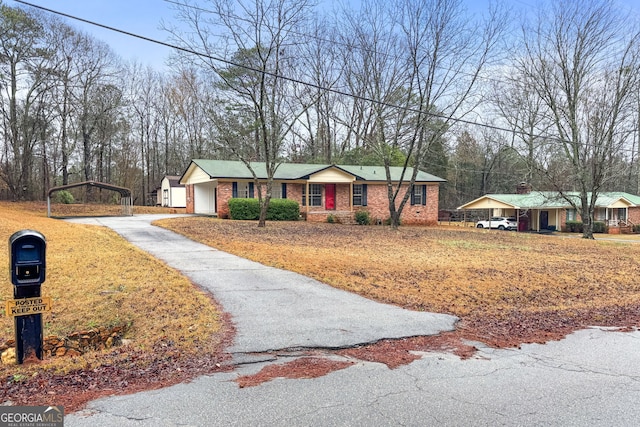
x: 308, y: 196
x: 351, y: 196
x: 626, y: 215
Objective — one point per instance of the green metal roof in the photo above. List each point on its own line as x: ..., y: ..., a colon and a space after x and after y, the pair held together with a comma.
x: 293, y: 171
x: 552, y: 199
x: 377, y: 173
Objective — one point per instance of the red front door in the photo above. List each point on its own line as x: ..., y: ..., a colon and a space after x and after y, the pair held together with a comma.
x: 330, y: 197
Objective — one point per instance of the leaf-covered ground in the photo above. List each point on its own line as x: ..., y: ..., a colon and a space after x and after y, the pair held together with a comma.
x: 508, y: 288
x: 95, y: 278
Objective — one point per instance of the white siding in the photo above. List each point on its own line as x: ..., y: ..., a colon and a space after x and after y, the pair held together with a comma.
x: 173, y: 197
x: 195, y: 175
x: 332, y: 175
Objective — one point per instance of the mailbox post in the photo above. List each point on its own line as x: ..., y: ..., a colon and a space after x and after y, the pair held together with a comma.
x: 27, y: 262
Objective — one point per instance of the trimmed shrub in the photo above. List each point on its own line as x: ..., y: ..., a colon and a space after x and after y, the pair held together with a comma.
x: 636, y: 228
x: 283, y: 210
x: 363, y: 218
x: 244, y: 209
x: 331, y: 219
x: 249, y: 209
x: 599, y: 227
x: 574, y: 226
x: 64, y: 197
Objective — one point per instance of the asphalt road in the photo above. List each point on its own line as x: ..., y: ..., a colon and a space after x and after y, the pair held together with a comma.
x: 590, y: 378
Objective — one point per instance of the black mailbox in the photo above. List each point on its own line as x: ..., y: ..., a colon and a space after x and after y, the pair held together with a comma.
x: 27, y: 261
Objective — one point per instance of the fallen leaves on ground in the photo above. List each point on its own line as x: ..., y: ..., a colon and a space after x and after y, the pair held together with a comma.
x: 96, y: 278
x: 507, y: 288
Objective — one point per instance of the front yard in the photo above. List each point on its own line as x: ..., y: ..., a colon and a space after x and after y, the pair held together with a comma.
x: 508, y: 288
x: 171, y: 330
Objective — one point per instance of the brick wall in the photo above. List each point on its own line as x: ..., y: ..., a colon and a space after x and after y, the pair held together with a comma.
x: 377, y: 203
x: 190, y: 201
x: 634, y: 215
x: 225, y: 192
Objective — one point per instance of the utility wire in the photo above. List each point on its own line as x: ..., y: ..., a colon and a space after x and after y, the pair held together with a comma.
x: 290, y: 79
x: 331, y: 41
x: 268, y: 73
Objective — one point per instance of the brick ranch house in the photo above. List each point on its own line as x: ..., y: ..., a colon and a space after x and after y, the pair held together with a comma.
x: 321, y: 190
x: 545, y: 210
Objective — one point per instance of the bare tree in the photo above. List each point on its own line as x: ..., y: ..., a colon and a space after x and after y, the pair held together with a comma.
x: 92, y: 95
x: 319, y: 126
x: 420, y: 61
x: 21, y: 62
x: 260, y: 36
x: 581, y: 61
x: 68, y: 45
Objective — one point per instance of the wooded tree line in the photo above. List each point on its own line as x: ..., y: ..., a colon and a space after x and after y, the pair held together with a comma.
x: 486, y: 101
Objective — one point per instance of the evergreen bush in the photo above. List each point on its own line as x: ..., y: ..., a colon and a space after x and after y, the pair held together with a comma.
x: 249, y: 209
x: 599, y: 227
x: 574, y: 226
x: 244, y: 209
x: 283, y: 210
x: 64, y: 197
x: 363, y: 218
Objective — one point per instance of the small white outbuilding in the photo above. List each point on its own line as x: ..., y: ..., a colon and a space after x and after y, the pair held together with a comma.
x: 171, y: 193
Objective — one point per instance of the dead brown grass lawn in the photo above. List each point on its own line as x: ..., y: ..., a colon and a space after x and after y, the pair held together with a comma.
x: 508, y: 288
x: 96, y: 278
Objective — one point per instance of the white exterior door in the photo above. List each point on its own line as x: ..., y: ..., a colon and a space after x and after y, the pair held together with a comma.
x: 204, y: 196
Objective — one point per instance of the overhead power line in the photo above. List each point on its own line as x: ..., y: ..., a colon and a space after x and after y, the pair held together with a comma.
x: 332, y: 41
x: 290, y: 79
x: 255, y: 70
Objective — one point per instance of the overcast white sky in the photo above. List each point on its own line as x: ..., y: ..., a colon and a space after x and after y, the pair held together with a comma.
x: 143, y: 17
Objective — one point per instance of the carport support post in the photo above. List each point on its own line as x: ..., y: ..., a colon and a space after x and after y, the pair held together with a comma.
x: 49, y: 206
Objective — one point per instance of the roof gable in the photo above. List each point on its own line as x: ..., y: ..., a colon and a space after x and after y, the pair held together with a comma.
x: 332, y: 174
x: 174, y: 181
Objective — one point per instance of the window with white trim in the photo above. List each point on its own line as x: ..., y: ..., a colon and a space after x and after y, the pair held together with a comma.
x: 243, y: 190
x: 419, y: 195
x: 357, y: 195
x: 316, y: 194
x: 315, y: 199
x: 276, y: 191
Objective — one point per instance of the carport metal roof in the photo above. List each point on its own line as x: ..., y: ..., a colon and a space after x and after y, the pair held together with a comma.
x: 125, y: 193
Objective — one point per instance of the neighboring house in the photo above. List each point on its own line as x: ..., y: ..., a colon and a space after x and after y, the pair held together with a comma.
x: 547, y: 210
x: 321, y: 190
x: 171, y: 193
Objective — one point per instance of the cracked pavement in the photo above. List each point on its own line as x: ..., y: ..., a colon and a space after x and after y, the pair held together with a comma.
x: 589, y: 378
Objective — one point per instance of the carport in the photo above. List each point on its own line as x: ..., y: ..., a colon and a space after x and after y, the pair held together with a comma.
x: 530, y: 216
x: 125, y: 194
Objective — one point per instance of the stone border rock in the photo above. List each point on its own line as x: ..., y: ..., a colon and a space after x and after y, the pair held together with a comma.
x: 74, y: 344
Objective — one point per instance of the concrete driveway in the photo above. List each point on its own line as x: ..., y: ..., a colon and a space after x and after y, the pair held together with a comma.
x: 590, y: 378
